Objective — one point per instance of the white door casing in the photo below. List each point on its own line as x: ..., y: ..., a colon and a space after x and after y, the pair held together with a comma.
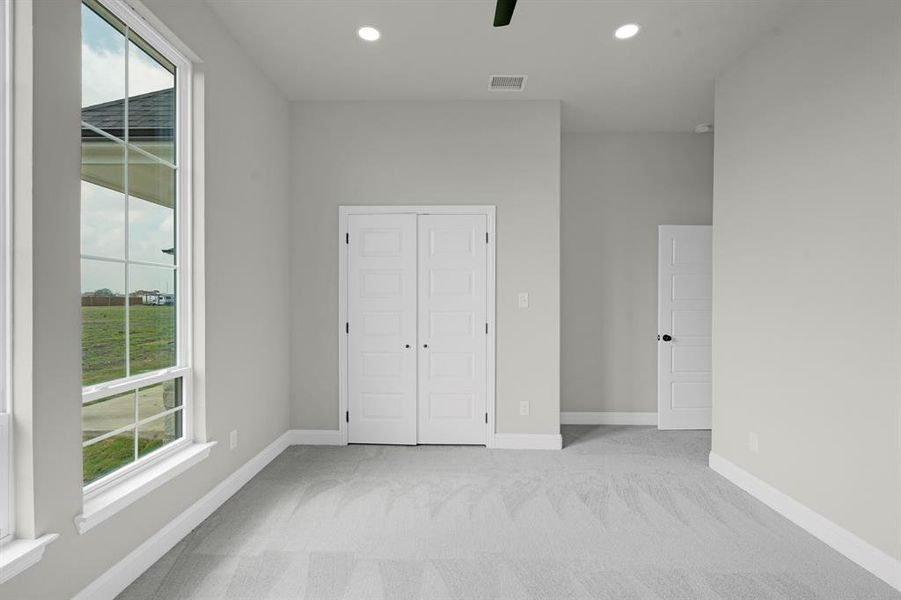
x: 381, y: 328
x: 684, y: 327
x: 453, y: 329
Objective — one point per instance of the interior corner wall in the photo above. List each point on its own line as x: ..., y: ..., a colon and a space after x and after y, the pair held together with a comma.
x: 807, y: 265
x: 428, y: 153
x: 246, y: 289
x: 617, y: 188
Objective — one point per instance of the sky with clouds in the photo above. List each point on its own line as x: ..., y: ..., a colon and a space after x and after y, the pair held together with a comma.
x: 150, y: 226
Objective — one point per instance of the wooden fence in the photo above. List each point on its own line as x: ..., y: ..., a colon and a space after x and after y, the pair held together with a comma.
x: 110, y: 300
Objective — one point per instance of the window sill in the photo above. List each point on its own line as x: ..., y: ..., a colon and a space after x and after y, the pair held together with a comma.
x: 18, y: 555
x: 103, y: 505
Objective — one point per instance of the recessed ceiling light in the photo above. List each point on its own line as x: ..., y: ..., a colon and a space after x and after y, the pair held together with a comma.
x: 627, y: 31
x: 370, y: 34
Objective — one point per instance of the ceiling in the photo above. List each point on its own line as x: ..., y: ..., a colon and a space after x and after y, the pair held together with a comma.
x: 661, y: 80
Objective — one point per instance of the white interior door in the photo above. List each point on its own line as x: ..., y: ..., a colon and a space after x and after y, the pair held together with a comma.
x: 684, y: 349
x: 381, y: 329
x: 452, y: 329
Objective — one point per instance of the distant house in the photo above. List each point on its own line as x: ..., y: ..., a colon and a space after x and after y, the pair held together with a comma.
x: 158, y: 299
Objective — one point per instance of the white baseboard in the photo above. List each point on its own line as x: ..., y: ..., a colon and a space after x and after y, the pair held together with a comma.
x: 315, y: 437
x: 124, y: 572
x: 608, y: 418
x: 854, y: 548
x: 528, y: 441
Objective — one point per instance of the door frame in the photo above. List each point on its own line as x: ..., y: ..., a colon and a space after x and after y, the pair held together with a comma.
x: 489, y: 211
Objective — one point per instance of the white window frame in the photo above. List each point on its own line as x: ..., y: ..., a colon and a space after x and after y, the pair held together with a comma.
x: 7, y: 496
x: 184, y: 239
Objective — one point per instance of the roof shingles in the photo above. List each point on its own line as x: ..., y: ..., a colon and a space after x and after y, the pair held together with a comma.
x: 151, y: 116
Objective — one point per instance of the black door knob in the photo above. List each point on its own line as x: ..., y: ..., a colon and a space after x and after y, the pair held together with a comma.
x: 425, y: 345
x: 406, y: 345
x: 667, y: 337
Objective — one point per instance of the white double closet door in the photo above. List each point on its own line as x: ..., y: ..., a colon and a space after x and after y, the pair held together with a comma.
x: 417, y: 329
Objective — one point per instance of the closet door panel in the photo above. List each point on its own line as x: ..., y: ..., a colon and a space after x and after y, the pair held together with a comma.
x: 452, y: 339
x: 381, y: 336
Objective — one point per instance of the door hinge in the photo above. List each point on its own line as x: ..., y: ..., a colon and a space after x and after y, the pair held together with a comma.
x: 347, y: 328
x: 346, y: 238
x: 486, y: 418
x: 347, y: 417
x: 486, y: 237
x: 486, y: 328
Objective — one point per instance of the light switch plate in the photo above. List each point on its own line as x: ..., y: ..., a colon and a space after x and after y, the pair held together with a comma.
x: 524, y: 408
x: 233, y: 439
x: 523, y: 300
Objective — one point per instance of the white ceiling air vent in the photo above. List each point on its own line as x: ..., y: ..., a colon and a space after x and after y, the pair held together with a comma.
x: 507, y: 83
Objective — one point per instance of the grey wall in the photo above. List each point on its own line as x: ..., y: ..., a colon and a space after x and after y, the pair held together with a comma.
x: 807, y: 268
x: 420, y: 153
x: 617, y: 188
x: 246, y: 249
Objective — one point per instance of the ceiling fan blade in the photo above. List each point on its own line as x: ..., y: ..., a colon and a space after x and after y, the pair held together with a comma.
x: 504, y: 12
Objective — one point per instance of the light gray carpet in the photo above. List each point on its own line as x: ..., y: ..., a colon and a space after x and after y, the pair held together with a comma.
x: 621, y: 513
